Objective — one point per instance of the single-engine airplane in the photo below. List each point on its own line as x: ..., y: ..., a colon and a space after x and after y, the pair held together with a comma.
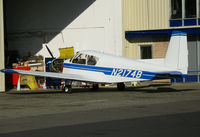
x: 97, y: 67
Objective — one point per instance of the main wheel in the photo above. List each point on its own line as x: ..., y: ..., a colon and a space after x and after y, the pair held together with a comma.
x: 120, y: 86
x: 95, y: 86
x: 67, y: 89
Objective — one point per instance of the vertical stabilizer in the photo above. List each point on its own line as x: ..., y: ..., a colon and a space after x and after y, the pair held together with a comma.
x: 177, y: 53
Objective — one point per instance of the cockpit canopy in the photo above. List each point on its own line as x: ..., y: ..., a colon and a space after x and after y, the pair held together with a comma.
x: 81, y: 58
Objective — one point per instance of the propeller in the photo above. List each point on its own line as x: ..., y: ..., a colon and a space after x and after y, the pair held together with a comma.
x: 49, y: 51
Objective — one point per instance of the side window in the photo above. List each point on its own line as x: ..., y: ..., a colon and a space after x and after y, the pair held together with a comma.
x: 80, y: 59
x: 92, y: 60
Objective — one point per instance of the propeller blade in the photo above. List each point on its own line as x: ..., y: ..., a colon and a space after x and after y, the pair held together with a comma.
x: 49, y: 51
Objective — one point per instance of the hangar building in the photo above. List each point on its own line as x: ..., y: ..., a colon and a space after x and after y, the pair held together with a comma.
x: 147, y: 25
x: 132, y: 28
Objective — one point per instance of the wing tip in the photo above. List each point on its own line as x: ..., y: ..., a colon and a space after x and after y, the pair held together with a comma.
x: 8, y: 71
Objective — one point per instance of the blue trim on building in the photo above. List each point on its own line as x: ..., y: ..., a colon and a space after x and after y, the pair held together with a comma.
x: 190, y: 22
x: 191, y: 78
x: 167, y: 32
x: 183, y: 22
x: 175, y: 23
x: 193, y: 71
x: 187, y: 79
x: 177, y: 80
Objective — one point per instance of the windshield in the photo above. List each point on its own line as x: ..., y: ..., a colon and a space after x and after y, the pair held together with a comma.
x: 85, y: 59
x: 80, y: 59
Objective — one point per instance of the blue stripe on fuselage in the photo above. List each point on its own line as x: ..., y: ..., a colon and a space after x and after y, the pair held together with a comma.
x: 113, y: 71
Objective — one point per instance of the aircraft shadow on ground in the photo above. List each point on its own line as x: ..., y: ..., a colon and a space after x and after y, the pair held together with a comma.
x: 113, y: 89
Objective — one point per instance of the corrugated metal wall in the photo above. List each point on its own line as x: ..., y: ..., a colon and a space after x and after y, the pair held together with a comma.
x: 158, y: 14
x: 143, y: 15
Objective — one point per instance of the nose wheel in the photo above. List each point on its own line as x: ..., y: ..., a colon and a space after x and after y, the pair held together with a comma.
x: 67, y: 89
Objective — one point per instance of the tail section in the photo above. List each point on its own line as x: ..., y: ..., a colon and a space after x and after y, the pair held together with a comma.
x: 177, y: 54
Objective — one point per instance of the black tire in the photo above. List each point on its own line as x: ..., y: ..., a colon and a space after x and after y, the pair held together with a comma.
x: 67, y: 89
x: 95, y: 86
x: 120, y: 86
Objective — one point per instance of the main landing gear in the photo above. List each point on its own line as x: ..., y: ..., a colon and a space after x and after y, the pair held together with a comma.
x: 95, y: 87
x: 68, y: 87
x: 120, y: 86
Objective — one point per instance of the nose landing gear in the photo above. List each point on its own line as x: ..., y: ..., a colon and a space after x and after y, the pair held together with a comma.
x: 67, y: 89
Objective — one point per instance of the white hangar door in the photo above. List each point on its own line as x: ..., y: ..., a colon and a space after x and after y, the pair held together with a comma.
x: 86, y: 38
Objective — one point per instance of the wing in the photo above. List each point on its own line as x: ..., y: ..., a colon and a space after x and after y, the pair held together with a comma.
x: 47, y: 74
x: 97, y: 78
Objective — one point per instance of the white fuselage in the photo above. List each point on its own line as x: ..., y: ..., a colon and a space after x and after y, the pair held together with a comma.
x: 113, y: 69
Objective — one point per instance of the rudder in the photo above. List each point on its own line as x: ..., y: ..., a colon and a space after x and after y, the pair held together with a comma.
x: 177, y: 53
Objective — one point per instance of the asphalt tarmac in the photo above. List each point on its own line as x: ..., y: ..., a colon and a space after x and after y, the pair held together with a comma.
x: 140, y: 112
